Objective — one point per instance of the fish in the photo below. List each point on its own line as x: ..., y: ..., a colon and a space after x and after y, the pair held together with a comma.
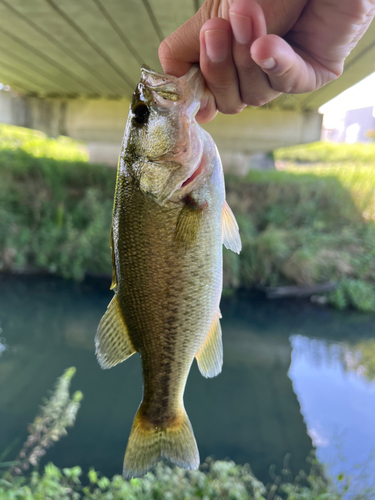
x: 170, y: 220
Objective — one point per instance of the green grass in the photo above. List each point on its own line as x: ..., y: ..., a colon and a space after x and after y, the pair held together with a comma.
x: 307, y: 224
x: 39, y: 145
x: 327, y: 152
x: 55, y: 214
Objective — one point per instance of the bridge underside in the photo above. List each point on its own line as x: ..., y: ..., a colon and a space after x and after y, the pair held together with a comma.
x: 101, y: 124
x: 73, y: 66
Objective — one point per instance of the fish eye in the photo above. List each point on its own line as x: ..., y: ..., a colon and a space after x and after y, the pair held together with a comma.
x: 141, y: 114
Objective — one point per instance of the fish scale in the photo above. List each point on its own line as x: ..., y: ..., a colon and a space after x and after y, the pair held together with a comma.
x: 170, y: 220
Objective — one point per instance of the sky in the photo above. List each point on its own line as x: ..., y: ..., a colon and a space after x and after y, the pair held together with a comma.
x: 361, y: 95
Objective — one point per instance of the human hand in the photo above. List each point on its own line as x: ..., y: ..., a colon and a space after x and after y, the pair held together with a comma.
x: 305, y: 48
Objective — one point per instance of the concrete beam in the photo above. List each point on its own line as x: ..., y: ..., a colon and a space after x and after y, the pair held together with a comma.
x: 261, y: 130
x: 100, y: 123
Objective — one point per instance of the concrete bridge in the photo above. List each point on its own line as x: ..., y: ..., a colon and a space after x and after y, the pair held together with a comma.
x: 72, y: 67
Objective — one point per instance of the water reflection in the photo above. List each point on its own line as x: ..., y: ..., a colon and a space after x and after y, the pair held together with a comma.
x: 3, y: 345
x: 273, y: 363
x: 338, y: 404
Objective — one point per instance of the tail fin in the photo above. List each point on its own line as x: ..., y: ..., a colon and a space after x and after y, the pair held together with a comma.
x: 148, y: 443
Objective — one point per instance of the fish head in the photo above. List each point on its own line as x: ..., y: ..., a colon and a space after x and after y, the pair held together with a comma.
x: 163, y: 144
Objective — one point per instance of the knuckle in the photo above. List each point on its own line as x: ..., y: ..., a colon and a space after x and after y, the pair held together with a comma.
x: 164, y: 51
x: 221, y: 87
x: 257, y: 101
x: 245, y: 67
x: 337, y: 72
x: 284, y: 87
x: 230, y: 109
x: 358, y: 10
x: 285, y: 81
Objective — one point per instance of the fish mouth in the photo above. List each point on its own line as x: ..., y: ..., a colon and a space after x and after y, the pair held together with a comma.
x: 188, y: 88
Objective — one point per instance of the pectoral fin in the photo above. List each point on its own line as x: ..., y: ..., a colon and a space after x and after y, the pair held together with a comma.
x: 188, y: 224
x: 231, y: 235
x: 210, y: 357
x: 112, y: 341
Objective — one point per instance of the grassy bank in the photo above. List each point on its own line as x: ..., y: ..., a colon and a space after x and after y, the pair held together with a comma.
x: 55, y: 208
x: 309, y: 223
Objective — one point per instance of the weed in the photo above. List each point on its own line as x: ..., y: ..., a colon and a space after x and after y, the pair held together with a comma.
x: 57, y: 413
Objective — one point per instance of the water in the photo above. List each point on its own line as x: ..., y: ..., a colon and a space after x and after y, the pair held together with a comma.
x: 296, y: 377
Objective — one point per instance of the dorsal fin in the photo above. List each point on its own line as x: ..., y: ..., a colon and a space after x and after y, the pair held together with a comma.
x: 231, y: 235
x: 210, y: 357
x: 112, y: 341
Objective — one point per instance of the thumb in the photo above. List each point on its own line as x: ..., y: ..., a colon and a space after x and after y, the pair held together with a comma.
x: 180, y: 50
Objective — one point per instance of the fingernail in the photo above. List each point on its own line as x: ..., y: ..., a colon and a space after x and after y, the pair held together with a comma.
x: 267, y: 63
x: 217, y: 45
x: 241, y: 27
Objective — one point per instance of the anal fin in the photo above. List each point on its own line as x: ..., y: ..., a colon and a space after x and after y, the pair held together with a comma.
x: 112, y: 341
x: 231, y: 235
x: 210, y: 357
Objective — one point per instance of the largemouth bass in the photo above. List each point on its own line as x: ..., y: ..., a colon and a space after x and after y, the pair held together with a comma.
x: 170, y: 220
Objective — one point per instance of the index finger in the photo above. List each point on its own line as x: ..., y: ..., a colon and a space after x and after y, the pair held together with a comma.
x: 180, y: 50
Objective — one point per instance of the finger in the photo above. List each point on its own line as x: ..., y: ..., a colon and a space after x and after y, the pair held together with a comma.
x: 208, y: 109
x: 329, y: 29
x: 248, y: 23
x: 288, y: 71
x: 218, y: 67
x: 179, y: 51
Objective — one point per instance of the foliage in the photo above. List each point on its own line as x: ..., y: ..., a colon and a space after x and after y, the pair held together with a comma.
x: 327, y: 152
x: 355, y: 293
x: 55, y: 215
x: 57, y: 413
x: 308, y: 225
x: 221, y: 480
x: 360, y: 358
x: 224, y: 480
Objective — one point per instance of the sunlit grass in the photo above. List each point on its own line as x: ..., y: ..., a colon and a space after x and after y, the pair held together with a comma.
x: 308, y: 223
x: 359, y: 179
x: 39, y: 145
x: 328, y: 152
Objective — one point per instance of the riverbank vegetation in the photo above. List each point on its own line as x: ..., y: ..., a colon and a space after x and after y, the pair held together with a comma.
x: 55, y: 207
x: 221, y: 480
x: 311, y: 221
